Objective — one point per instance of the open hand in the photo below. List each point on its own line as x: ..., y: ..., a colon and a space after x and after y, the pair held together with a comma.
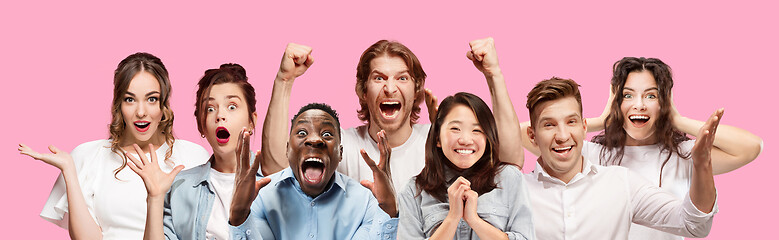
x: 157, y: 182
x: 56, y: 158
x: 701, y: 151
x: 382, y: 189
x: 432, y: 105
x: 246, y: 185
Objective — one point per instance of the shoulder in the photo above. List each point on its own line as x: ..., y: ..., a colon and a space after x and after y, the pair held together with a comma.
x: 193, y: 173
x: 353, y: 187
x: 188, y: 147
x: 410, y: 190
x: 421, y: 129
x: 509, y: 172
x: 92, y: 146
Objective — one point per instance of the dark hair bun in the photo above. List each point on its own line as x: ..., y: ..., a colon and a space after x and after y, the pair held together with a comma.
x: 237, y: 69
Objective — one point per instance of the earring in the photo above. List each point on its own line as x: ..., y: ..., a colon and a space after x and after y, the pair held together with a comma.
x: 202, y: 135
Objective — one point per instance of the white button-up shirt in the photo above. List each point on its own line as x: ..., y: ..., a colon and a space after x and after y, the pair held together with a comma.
x: 601, y: 202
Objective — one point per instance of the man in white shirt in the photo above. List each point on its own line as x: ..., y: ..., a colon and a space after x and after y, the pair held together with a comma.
x: 574, y: 199
x: 390, y: 87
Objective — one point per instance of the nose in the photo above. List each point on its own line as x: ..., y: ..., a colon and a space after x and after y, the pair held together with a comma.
x: 390, y: 86
x: 220, y: 115
x: 315, y: 141
x: 465, y: 139
x: 638, y: 104
x: 562, y: 135
x: 140, y: 112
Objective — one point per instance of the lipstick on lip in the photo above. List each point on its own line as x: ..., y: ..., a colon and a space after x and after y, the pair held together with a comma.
x: 141, y: 126
x: 222, y: 135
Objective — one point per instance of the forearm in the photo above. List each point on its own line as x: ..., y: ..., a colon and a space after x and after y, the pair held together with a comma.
x: 81, y: 224
x: 506, y: 119
x: 154, y: 225
x: 275, y: 128
x: 734, y: 147
x: 485, y: 230
x: 702, y: 190
x: 446, y: 229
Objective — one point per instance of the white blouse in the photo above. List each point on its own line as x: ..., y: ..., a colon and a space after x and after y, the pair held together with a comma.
x: 116, y: 203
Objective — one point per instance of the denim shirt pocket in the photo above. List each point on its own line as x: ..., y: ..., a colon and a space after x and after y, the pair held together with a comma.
x: 496, y: 215
x: 432, y: 219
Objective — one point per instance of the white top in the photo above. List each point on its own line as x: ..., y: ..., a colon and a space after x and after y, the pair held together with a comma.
x: 117, y: 206
x: 646, y: 162
x: 223, y: 185
x: 601, y: 202
x: 406, y: 160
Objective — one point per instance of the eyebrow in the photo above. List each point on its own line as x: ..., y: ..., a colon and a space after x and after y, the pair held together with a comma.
x: 147, y: 94
x: 382, y: 73
x: 569, y: 116
x: 459, y: 122
x: 228, y: 97
x: 652, y: 88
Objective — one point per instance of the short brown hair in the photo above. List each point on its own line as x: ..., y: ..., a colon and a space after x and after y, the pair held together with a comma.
x: 395, y: 49
x: 551, y: 89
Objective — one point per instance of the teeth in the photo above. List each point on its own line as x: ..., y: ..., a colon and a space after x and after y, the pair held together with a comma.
x: 463, y: 151
x: 639, y: 117
x: 562, y: 149
x: 314, y: 160
x: 391, y: 103
x: 142, y: 124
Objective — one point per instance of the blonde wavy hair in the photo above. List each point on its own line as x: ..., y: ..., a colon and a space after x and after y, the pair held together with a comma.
x: 123, y: 75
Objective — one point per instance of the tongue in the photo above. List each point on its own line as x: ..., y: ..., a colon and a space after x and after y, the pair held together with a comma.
x: 313, y: 174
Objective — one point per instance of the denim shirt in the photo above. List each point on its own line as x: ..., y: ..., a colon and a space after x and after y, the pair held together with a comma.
x: 506, y: 207
x: 189, y: 202
x: 345, y: 210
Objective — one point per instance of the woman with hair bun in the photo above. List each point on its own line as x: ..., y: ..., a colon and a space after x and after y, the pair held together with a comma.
x: 96, y: 196
x: 196, y: 203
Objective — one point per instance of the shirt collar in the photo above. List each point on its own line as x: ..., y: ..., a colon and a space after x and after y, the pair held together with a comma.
x: 587, y: 169
x: 203, y: 173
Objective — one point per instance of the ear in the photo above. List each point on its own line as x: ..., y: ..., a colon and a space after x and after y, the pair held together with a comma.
x: 585, y: 124
x: 288, y: 149
x: 254, y: 120
x: 531, y: 135
x: 340, y: 152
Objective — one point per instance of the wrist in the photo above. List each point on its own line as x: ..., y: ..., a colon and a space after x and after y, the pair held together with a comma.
x: 156, y: 198
x: 284, y: 78
x: 493, y: 73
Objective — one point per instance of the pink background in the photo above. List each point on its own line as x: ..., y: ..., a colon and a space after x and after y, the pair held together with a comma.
x: 58, y: 59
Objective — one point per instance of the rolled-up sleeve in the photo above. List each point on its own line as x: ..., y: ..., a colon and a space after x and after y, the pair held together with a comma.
x: 255, y: 227
x: 658, y: 209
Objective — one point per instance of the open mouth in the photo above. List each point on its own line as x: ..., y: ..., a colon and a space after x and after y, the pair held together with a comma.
x: 222, y: 135
x: 639, y: 120
x: 313, y: 170
x: 563, y: 151
x: 390, y: 109
x: 142, y: 126
x: 464, y: 151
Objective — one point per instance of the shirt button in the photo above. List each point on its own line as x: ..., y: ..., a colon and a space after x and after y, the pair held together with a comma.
x: 494, y: 210
x: 248, y: 232
x: 312, y: 204
x: 386, y: 236
x: 311, y: 235
x: 389, y: 226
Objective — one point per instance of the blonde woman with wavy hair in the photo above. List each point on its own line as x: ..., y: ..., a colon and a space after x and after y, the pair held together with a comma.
x: 97, y: 196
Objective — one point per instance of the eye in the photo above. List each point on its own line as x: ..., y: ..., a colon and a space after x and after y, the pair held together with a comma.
x: 548, y: 124
x: 651, y: 96
x: 210, y: 109
x: 478, y: 130
x: 454, y: 129
x: 152, y: 99
x: 302, y: 133
x: 232, y: 107
x: 380, y: 78
x: 129, y: 100
x: 572, y: 121
x: 327, y: 134
x: 403, y: 78
x: 627, y: 96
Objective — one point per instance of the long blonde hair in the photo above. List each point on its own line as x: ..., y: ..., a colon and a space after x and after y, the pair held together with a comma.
x: 123, y: 75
